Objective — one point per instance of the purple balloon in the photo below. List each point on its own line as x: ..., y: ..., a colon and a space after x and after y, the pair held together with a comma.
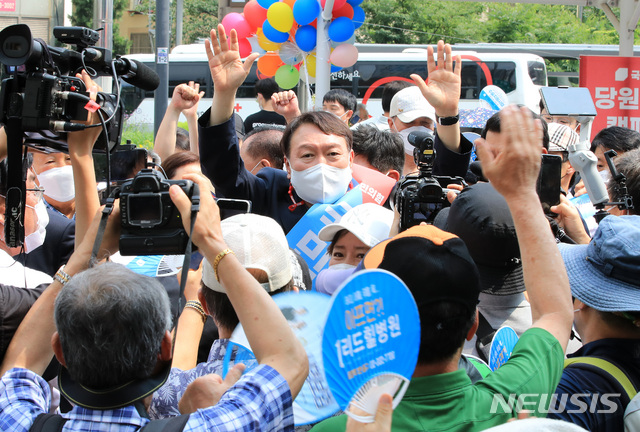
x: 306, y: 38
x: 306, y: 11
x: 341, y: 29
x: 272, y: 34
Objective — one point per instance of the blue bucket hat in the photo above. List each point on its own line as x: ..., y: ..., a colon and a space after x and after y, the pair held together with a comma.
x: 605, y: 274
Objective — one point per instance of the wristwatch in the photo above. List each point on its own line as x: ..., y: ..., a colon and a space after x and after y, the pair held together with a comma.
x: 448, y: 121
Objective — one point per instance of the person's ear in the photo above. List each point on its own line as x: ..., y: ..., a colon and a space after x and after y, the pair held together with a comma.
x: 203, y: 301
x: 265, y: 163
x: 349, y: 115
x: 394, y: 174
x: 474, y: 327
x: 57, y: 349
x: 287, y: 166
x: 390, y: 123
x: 351, y: 157
x: 545, y: 151
x: 165, y: 347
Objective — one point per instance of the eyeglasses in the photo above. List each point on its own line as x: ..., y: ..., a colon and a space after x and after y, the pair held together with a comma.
x: 37, y: 191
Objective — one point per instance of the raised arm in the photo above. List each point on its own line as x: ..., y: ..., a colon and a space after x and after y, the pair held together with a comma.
x: 286, y: 104
x: 512, y: 167
x: 30, y: 347
x: 270, y: 336
x: 185, y: 97
x: 442, y: 90
x: 84, y: 176
x: 227, y: 71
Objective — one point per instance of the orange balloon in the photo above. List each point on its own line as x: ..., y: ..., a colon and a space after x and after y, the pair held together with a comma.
x: 269, y: 63
x: 289, y: 2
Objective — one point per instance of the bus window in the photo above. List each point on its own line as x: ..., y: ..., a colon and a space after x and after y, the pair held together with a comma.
x: 538, y: 72
x: 183, y: 72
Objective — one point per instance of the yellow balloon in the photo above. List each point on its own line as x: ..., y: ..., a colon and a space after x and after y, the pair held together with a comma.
x: 310, y: 64
x: 265, y: 43
x: 280, y: 16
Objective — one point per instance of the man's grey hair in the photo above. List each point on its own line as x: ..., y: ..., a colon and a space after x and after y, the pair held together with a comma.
x: 111, y: 322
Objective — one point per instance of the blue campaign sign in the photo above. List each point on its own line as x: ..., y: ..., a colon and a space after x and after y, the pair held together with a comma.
x: 305, y: 312
x: 303, y: 237
x: 502, y: 346
x: 371, y: 340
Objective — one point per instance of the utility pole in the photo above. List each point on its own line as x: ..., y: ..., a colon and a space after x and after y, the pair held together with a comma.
x: 163, y: 30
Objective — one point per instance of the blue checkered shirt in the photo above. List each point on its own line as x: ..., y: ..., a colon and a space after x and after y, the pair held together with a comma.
x: 165, y: 401
x: 260, y: 401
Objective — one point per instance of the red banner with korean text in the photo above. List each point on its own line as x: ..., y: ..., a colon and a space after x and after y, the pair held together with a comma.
x: 613, y: 83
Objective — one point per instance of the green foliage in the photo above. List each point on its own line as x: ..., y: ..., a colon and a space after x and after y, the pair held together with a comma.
x: 138, y: 135
x: 83, y: 16
x: 419, y: 21
x: 199, y: 16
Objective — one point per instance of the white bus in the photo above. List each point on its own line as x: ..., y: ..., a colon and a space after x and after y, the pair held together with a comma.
x: 519, y: 75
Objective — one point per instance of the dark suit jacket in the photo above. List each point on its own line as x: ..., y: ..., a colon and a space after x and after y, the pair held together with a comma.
x: 57, y: 247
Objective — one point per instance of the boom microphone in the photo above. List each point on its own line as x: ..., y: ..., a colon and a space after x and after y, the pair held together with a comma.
x: 137, y: 74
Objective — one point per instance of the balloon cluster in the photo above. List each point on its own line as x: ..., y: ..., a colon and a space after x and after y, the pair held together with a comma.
x: 284, y: 32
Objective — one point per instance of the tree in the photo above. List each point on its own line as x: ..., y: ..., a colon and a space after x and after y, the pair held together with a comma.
x: 199, y: 16
x: 83, y: 16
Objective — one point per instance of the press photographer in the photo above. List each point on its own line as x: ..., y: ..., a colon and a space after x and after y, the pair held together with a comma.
x: 419, y: 197
x: 45, y: 91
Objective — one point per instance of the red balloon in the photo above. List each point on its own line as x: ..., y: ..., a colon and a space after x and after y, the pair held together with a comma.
x: 337, y: 4
x: 245, y: 47
x: 254, y: 14
x: 344, y: 11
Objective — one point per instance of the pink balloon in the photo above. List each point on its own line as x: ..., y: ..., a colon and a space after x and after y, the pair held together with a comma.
x: 344, y: 55
x: 245, y: 47
x: 238, y: 22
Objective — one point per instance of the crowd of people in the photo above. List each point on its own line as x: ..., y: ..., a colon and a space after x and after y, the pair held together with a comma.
x: 89, y: 344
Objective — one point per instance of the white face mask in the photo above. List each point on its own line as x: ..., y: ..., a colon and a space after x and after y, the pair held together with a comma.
x: 58, y: 183
x: 321, y: 183
x: 408, y: 147
x: 36, y: 239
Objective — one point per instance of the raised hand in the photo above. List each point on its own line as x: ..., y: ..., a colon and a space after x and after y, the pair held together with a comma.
x: 285, y: 103
x: 444, y: 84
x: 227, y: 69
x: 512, y: 162
x: 185, y: 98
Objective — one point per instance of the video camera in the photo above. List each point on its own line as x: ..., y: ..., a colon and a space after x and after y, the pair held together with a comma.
x: 419, y: 197
x: 151, y: 223
x: 577, y: 102
x: 41, y: 93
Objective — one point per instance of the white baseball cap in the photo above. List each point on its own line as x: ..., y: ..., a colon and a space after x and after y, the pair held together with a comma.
x: 259, y: 243
x: 369, y: 222
x: 409, y: 104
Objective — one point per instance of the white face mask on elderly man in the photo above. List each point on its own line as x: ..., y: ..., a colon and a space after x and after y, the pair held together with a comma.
x: 36, y: 238
x: 58, y: 183
x: 321, y: 183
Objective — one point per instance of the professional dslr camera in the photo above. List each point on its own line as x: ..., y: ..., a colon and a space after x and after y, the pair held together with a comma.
x: 419, y: 197
x: 151, y: 224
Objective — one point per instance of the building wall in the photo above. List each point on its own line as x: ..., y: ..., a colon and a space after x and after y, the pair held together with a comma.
x: 40, y: 16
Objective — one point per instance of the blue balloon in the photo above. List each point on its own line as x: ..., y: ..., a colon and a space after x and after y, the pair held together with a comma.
x: 358, y: 16
x: 306, y: 38
x: 335, y: 68
x: 272, y: 34
x: 266, y: 3
x: 305, y: 11
x: 341, y: 29
x: 355, y: 2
